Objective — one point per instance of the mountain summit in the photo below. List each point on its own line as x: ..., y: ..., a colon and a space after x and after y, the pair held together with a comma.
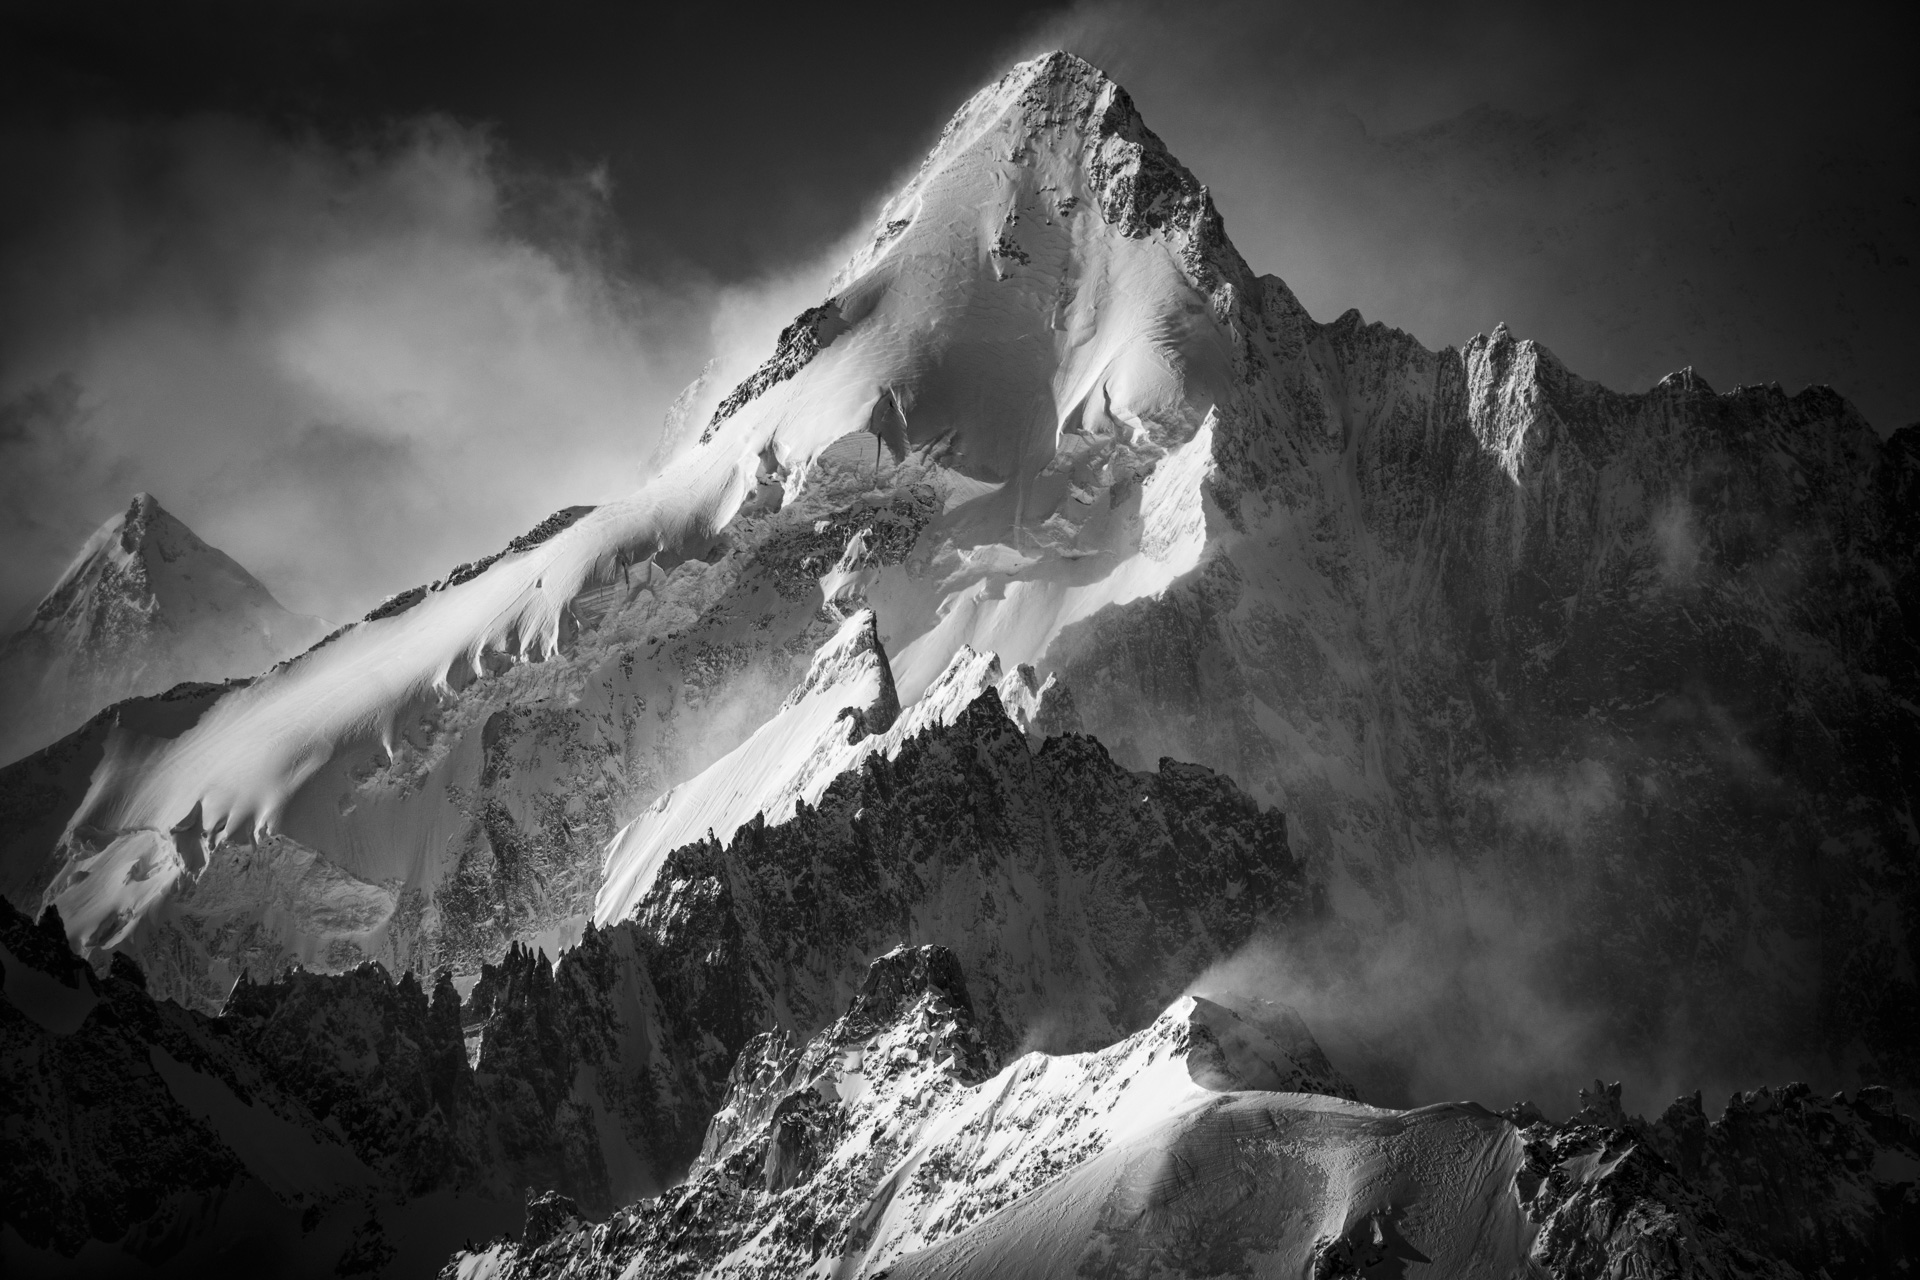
x: 1621, y: 681
x: 145, y: 606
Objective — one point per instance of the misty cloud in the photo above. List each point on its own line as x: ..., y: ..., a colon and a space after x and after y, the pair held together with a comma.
x: 1677, y: 541
x: 1487, y: 992
x: 1563, y: 801
x: 350, y: 366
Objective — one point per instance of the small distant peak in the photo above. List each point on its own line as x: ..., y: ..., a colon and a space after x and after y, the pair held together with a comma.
x: 1687, y: 379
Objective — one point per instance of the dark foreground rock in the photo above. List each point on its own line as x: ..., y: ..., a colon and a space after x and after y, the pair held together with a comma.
x: 1218, y: 1142
x: 379, y: 1123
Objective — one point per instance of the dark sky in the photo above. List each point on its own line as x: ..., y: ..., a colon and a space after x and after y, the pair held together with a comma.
x: 362, y: 289
x: 737, y: 140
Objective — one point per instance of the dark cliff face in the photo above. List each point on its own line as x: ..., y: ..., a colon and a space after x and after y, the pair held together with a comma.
x: 1643, y: 665
x: 890, y: 1128
x: 320, y: 1120
x: 1141, y: 880
x: 1782, y: 1184
x: 1063, y: 880
x: 1078, y: 897
x: 336, y: 1115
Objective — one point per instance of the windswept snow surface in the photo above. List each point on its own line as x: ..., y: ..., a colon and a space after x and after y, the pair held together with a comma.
x: 845, y: 710
x: 1205, y: 1144
x: 1268, y: 1185
x: 1008, y: 1137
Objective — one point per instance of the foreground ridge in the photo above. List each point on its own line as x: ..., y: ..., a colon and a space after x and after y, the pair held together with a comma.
x: 353, y: 1114
x: 1215, y: 1142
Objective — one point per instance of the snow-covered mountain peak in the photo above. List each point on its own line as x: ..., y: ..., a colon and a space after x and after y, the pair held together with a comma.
x: 145, y: 605
x: 1078, y: 134
x: 144, y: 562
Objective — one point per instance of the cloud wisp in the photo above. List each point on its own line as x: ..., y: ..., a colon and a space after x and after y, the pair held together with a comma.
x: 349, y: 365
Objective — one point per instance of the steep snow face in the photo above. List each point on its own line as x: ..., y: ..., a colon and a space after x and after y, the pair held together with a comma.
x: 1195, y: 1140
x: 1026, y: 343
x: 842, y: 712
x: 1268, y: 1185
x: 846, y: 696
x: 145, y: 605
x: 1034, y: 313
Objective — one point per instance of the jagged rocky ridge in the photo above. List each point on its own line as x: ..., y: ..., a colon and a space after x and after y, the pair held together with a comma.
x: 891, y: 1128
x: 323, y: 1120
x: 595, y: 1077
x: 889, y: 1146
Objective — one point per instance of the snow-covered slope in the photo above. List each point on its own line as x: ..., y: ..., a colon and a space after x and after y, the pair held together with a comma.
x: 1491, y: 634
x: 1213, y: 1142
x: 145, y: 606
x: 889, y: 1129
x: 844, y: 710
